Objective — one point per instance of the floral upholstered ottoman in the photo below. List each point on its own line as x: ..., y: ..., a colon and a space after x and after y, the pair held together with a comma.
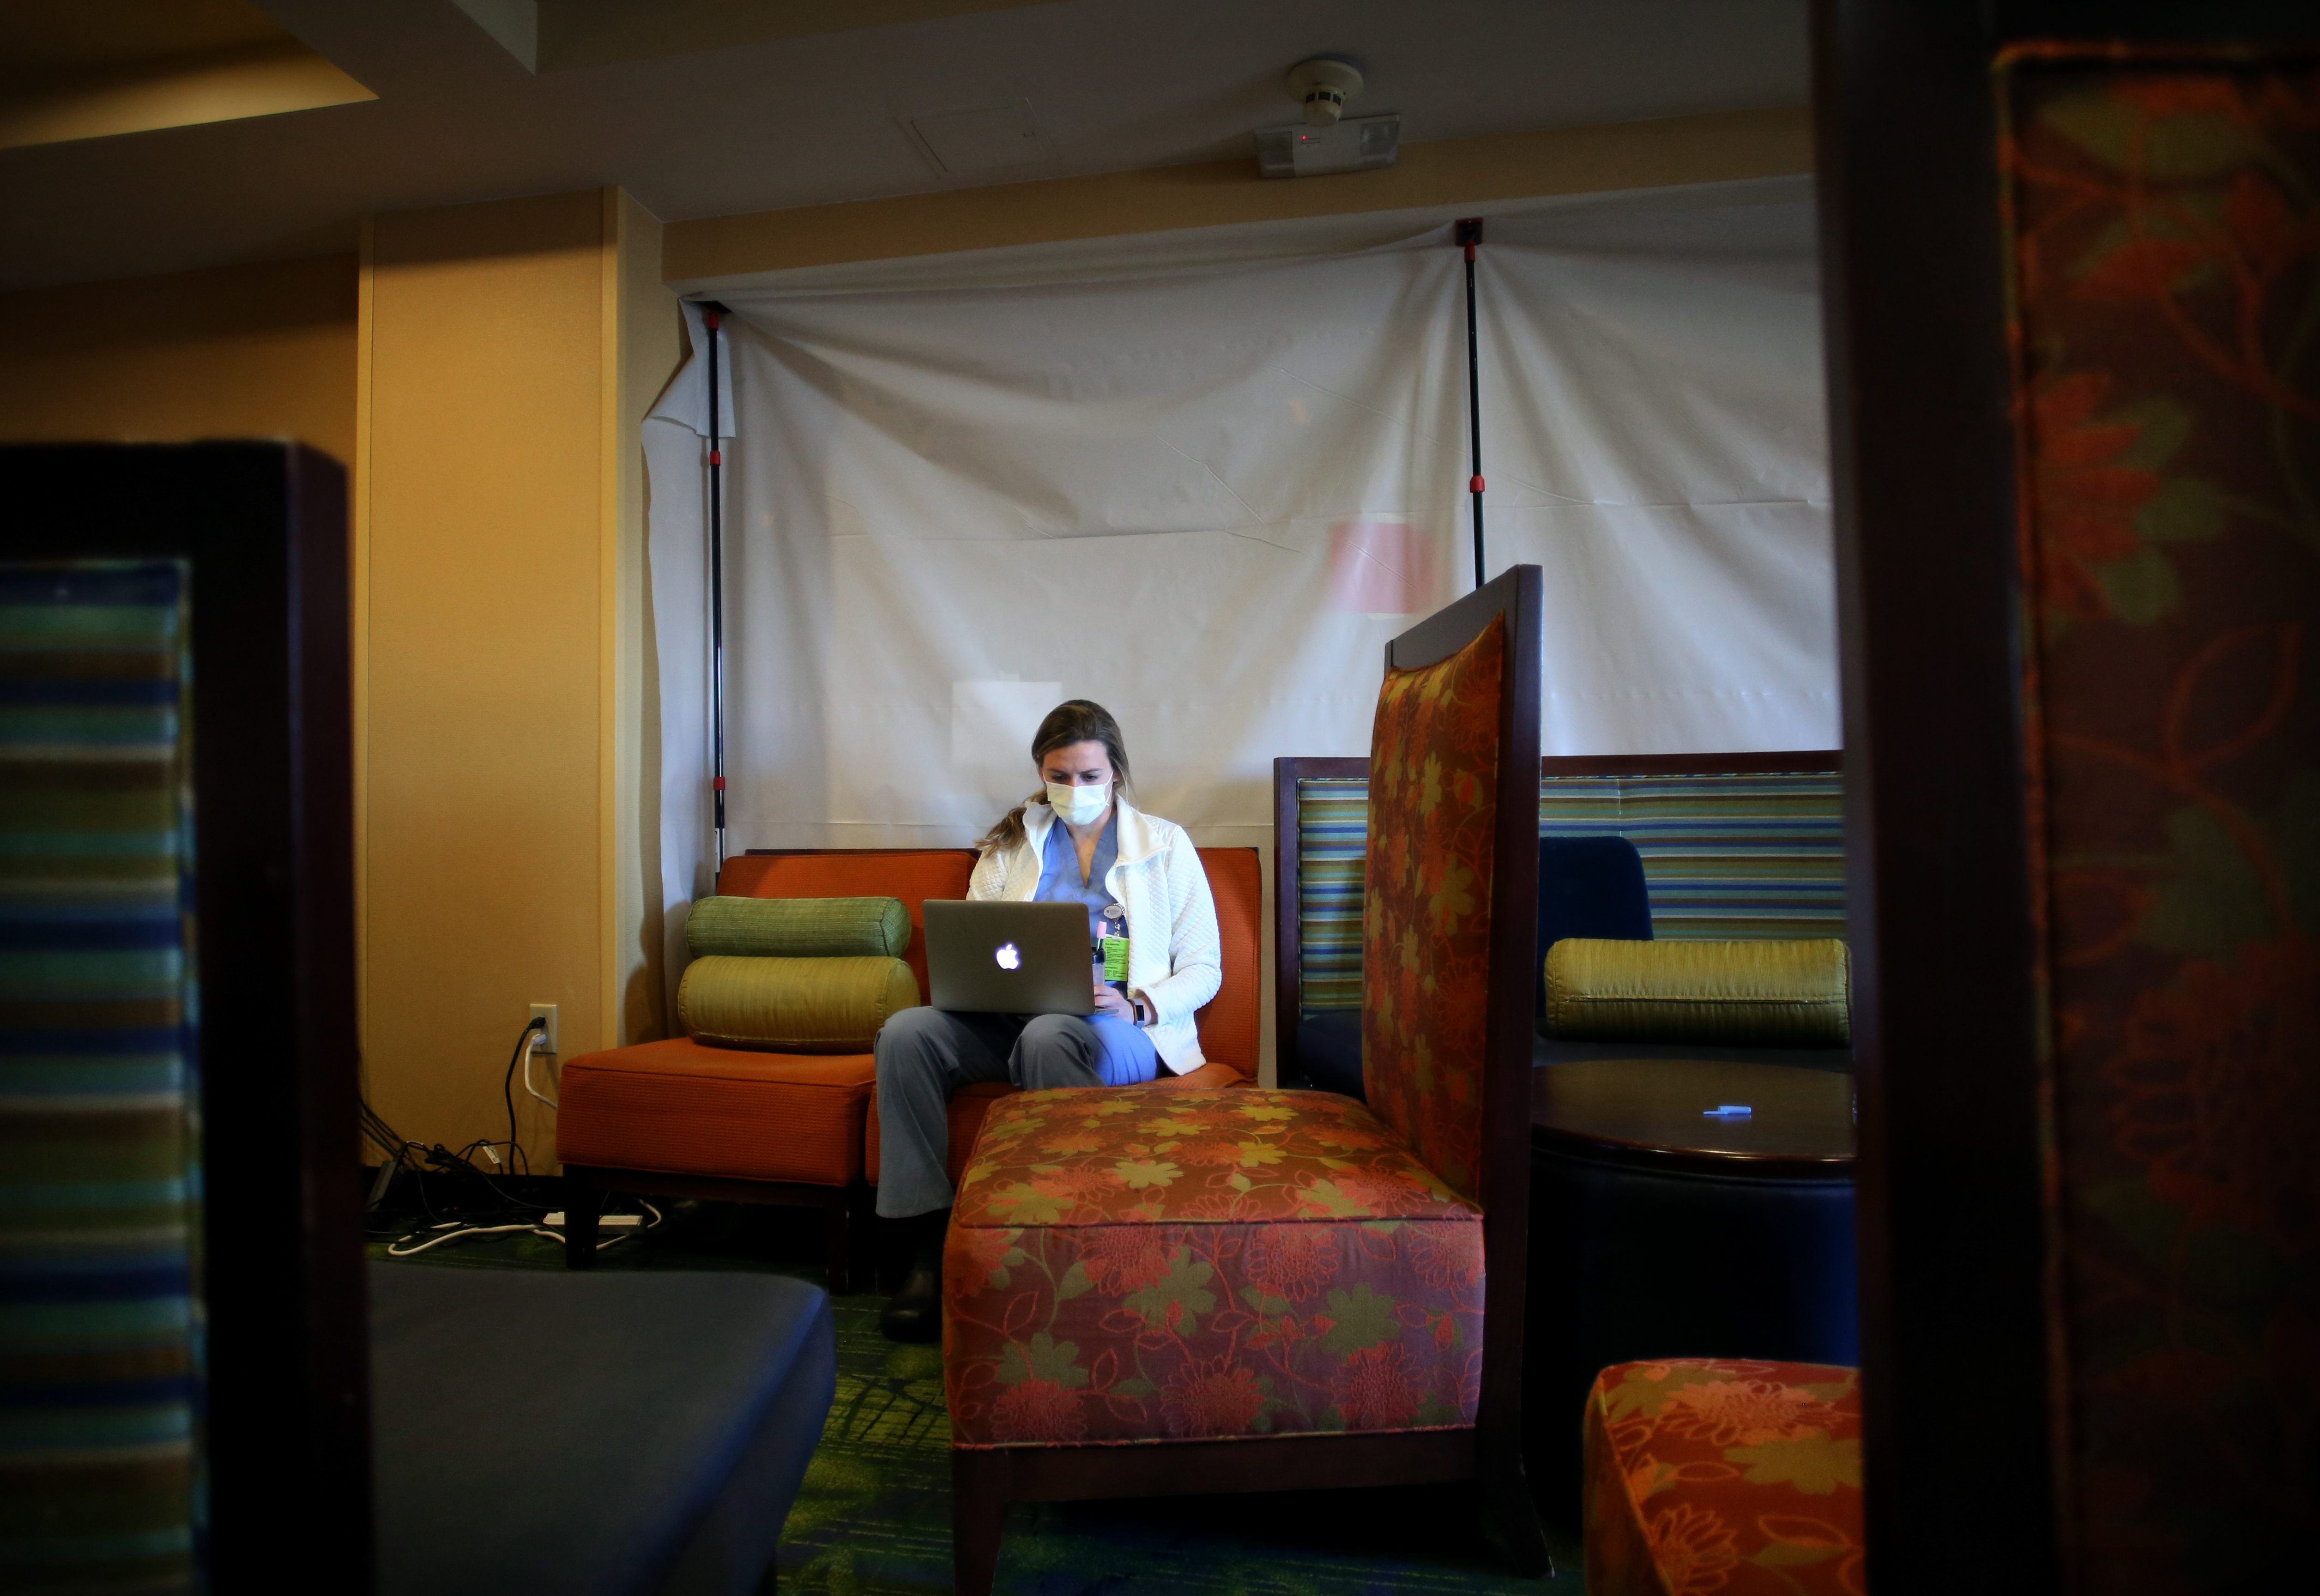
x: 1150, y: 1264
x: 1735, y: 1477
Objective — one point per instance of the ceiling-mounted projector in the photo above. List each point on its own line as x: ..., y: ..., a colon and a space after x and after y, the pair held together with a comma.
x: 1355, y: 144
x: 1327, y: 140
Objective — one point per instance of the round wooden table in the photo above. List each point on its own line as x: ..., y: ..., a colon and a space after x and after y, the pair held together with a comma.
x: 1663, y: 1224
x: 1667, y: 1114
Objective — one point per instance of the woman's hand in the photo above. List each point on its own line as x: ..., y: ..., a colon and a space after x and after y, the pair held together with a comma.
x: 1109, y: 1001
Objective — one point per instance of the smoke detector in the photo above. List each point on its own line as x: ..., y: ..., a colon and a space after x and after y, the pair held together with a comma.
x: 1327, y: 140
x: 1323, y: 85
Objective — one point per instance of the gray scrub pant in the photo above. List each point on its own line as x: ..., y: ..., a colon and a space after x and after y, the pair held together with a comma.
x: 925, y: 1055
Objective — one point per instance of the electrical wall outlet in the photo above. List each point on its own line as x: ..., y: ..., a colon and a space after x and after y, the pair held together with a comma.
x: 546, y: 1011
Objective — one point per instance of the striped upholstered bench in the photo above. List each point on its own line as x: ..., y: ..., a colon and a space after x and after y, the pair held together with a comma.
x: 1733, y: 845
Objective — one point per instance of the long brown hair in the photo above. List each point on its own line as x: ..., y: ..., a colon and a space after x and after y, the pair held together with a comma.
x: 1075, y: 720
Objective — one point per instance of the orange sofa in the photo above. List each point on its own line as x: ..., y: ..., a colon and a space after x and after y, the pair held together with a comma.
x: 678, y: 1118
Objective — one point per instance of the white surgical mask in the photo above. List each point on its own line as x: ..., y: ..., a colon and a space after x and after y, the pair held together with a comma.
x: 1079, y: 805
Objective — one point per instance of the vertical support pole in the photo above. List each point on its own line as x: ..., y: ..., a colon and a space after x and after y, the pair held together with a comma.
x: 1468, y: 232
x: 713, y: 317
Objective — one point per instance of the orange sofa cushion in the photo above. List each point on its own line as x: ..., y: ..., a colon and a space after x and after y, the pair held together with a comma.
x: 679, y: 1108
x: 1228, y: 1025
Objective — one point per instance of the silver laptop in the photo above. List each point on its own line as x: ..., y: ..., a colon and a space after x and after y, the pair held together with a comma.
x: 1009, y: 958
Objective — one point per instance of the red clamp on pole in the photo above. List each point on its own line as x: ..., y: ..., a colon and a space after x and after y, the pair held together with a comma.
x: 1474, y: 484
x: 717, y: 784
x: 709, y: 320
x: 716, y: 457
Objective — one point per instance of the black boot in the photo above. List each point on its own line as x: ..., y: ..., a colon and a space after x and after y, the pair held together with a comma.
x: 914, y: 1313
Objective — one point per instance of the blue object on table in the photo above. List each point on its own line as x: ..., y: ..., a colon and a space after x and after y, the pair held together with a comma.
x: 1588, y: 886
x: 592, y: 1434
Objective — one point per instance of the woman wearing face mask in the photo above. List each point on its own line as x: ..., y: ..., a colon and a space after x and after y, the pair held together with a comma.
x: 1076, y: 840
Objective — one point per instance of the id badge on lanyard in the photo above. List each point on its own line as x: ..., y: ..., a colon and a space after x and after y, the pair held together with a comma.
x: 1114, y: 944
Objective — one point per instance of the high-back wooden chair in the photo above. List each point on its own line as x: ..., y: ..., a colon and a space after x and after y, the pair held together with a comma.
x: 1286, y: 1289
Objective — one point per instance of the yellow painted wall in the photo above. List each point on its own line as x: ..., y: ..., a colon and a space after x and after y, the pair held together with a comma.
x: 262, y: 350
x: 508, y: 351
x: 505, y: 356
x: 646, y: 333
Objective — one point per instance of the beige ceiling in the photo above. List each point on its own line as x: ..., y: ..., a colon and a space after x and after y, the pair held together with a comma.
x: 770, y: 109
x: 554, y: 35
x: 104, y: 68
x: 40, y: 39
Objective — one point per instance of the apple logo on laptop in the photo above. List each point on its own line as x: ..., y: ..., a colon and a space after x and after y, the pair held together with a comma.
x: 1009, y: 959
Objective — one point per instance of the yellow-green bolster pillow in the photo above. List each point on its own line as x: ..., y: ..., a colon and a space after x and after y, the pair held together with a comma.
x: 798, y: 928
x: 792, y: 1005
x: 1781, y: 994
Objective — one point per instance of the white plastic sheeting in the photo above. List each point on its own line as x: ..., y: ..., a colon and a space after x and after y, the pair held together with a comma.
x: 1203, y: 478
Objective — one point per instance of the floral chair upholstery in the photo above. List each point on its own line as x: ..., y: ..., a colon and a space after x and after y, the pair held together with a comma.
x: 1159, y: 1289
x: 1737, y: 1477
x: 1212, y: 1263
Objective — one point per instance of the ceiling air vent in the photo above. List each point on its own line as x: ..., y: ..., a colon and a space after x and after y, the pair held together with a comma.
x: 989, y: 138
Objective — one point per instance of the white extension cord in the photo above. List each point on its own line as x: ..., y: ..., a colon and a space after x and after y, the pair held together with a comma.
x: 452, y: 1230
x: 531, y: 1040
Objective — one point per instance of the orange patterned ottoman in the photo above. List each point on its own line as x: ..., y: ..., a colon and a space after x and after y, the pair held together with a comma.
x: 1146, y: 1263
x: 1724, y: 1476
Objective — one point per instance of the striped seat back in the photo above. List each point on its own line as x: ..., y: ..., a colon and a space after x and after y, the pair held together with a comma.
x: 1729, y: 855
x: 98, y: 1076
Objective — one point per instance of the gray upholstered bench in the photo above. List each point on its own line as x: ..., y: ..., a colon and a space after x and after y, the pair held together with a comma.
x: 592, y: 1434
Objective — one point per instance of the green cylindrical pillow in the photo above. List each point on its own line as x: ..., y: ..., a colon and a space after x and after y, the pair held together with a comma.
x: 1779, y: 993
x: 798, y: 928
x: 792, y: 1005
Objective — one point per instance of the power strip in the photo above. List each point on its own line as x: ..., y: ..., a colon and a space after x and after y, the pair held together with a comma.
x: 613, y: 1219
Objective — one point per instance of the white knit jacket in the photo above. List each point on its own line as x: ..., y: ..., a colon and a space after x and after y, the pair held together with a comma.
x: 1175, y: 958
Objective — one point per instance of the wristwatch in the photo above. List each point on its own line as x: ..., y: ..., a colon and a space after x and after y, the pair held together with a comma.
x: 1146, y: 1015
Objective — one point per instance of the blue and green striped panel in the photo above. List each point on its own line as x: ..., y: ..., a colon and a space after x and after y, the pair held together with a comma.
x: 1724, y: 855
x: 100, y: 1365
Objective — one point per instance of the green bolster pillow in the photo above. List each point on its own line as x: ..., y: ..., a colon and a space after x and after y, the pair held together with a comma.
x: 1785, y: 993
x: 792, y: 1005
x: 798, y: 928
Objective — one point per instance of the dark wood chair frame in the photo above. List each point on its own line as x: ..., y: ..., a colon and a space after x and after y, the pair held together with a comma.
x: 847, y: 1211
x: 1958, y: 1191
x: 985, y: 1481
x: 263, y: 526
x: 1287, y: 920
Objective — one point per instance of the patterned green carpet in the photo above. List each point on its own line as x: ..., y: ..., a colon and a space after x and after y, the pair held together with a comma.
x: 874, y: 1518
